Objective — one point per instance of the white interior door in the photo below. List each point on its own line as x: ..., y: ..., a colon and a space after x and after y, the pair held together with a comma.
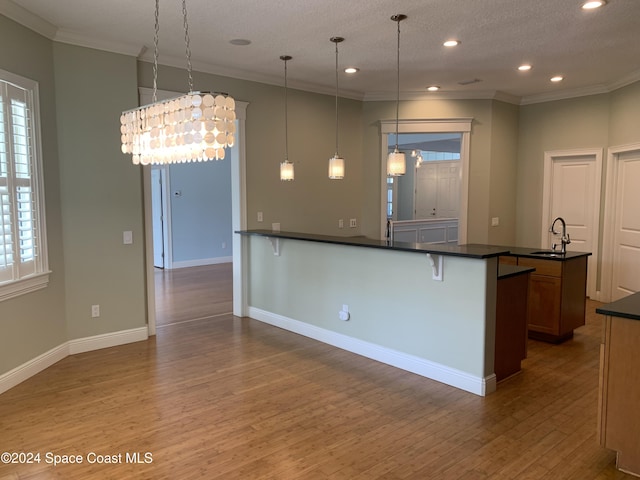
x: 437, y: 191
x: 572, y: 191
x: 625, y: 278
x: 158, y: 215
x: 426, y: 191
x: 448, y: 189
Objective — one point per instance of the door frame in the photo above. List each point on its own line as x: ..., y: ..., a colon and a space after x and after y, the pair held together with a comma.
x: 549, y: 157
x: 165, y: 188
x: 238, y: 214
x: 437, y: 125
x: 613, y: 158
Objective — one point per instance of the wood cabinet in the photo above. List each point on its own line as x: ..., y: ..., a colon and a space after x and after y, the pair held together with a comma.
x: 557, y: 297
x: 618, y: 415
x: 511, y: 320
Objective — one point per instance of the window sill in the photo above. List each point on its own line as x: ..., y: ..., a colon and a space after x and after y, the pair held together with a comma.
x: 24, y: 285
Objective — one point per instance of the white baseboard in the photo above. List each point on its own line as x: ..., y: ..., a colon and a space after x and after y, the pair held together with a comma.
x: 32, y: 367
x: 200, y: 262
x: 411, y: 363
x: 106, y: 340
x: 36, y: 365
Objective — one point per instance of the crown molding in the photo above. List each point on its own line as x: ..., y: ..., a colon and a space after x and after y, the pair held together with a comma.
x: 473, y: 95
x: 24, y: 17
x: 565, y: 94
x: 82, y: 40
x: 633, y: 77
x: 180, y: 62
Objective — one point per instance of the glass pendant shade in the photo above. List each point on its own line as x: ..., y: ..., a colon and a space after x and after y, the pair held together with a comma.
x: 396, y: 164
x: 336, y: 168
x: 195, y: 127
x: 336, y: 163
x: 286, y: 171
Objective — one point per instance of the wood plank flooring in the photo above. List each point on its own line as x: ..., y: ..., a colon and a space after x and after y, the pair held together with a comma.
x: 185, y: 294
x: 232, y: 398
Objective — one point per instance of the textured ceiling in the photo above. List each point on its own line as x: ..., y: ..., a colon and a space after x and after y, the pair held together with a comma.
x: 596, y: 51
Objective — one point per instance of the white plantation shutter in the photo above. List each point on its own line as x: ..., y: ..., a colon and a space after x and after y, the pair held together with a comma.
x: 22, y: 240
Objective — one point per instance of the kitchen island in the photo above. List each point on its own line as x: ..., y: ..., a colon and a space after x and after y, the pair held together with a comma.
x: 429, y: 309
x: 618, y: 414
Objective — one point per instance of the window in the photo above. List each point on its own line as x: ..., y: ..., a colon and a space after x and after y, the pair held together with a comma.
x: 23, y: 254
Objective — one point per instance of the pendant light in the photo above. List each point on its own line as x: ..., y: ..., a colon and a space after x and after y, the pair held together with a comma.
x: 286, y: 167
x: 396, y: 163
x: 197, y: 126
x: 336, y: 163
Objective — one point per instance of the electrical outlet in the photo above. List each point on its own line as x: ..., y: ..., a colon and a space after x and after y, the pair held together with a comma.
x: 95, y: 311
x: 275, y: 227
x: 353, y: 223
x: 341, y: 223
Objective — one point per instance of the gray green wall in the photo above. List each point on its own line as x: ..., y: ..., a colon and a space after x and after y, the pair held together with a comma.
x: 566, y: 124
x: 35, y: 323
x: 101, y: 192
x: 313, y: 202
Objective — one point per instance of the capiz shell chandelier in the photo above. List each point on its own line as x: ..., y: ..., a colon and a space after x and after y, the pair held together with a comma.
x: 194, y: 127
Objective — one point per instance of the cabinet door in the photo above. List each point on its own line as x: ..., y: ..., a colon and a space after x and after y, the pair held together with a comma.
x: 544, y: 304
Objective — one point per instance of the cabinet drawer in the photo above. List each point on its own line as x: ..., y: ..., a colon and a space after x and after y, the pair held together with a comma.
x: 543, y: 267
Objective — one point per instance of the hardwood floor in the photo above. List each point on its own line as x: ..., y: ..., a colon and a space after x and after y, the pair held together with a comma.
x: 232, y: 398
x: 185, y: 294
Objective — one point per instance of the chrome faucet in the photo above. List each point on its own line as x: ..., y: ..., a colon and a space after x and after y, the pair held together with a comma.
x: 565, y: 236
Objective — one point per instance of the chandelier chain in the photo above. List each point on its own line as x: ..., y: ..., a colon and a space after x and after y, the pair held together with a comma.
x: 155, y: 52
x: 187, y: 46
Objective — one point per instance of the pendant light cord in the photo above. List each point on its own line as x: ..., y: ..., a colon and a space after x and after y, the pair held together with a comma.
x: 286, y: 119
x: 398, y: 82
x: 186, y: 42
x: 336, y: 98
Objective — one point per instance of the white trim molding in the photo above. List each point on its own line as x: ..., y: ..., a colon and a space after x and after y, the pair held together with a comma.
x: 460, y: 125
x: 41, y: 362
x: 613, y: 155
x: 410, y: 363
x: 567, y: 155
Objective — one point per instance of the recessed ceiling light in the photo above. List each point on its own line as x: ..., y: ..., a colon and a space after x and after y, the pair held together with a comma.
x: 351, y: 70
x: 590, y: 5
x: 525, y: 67
x: 452, y: 43
x: 240, y: 41
x: 557, y: 78
x: 433, y: 88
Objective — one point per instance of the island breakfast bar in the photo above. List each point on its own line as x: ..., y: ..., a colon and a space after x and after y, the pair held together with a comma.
x: 429, y: 309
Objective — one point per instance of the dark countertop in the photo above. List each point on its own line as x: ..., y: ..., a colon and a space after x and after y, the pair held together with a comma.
x: 506, y: 271
x: 627, y: 307
x: 468, y: 251
x: 526, y: 252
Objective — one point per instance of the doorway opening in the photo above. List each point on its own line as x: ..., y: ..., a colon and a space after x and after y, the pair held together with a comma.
x: 435, y: 188
x: 161, y: 233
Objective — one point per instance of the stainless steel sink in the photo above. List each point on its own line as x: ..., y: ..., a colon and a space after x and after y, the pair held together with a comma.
x: 547, y: 253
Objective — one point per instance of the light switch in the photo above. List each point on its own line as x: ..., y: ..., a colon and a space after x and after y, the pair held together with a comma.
x: 127, y: 237
x: 495, y: 221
